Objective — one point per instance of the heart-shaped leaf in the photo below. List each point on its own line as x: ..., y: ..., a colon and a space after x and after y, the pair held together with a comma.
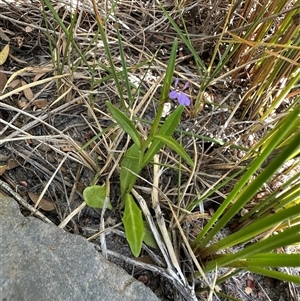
x: 95, y: 196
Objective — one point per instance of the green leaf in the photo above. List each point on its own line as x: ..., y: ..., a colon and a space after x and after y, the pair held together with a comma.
x: 288, y: 237
x: 274, y: 274
x: 131, y: 162
x: 269, y: 260
x: 149, y: 238
x: 254, y: 229
x: 242, y: 193
x: 175, y: 146
x: 125, y: 123
x: 95, y: 196
x: 133, y: 224
x: 169, y: 72
x: 166, y: 129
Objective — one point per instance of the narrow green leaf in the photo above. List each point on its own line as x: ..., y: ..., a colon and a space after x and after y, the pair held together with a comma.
x: 257, y: 227
x: 269, y: 260
x: 95, y: 196
x: 242, y: 193
x: 166, y: 129
x: 288, y: 237
x: 175, y: 146
x: 133, y: 224
x: 274, y: 274
x: 200, y: 64
x: 65, y: 29
x: 123, y: 62
x: 169, y: 72
x: 125, y: 123
x: 131, y: 162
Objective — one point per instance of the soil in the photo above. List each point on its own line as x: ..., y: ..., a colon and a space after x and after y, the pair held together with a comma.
x: 49, y: 147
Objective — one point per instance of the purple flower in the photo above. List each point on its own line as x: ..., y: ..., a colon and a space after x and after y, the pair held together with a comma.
x: 182, y: 98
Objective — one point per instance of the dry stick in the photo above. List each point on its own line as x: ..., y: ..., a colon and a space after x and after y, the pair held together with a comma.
x: 24, y: 203
x: 160, y: 219
x: 192, y: 172
x: 102, y: 223
x: 50, y: 180
x: 37, y: 120
x: 154, y: 269
x: 71, y: 215
x: 146, y: 266
x: 188, y: 246
x: 172, y: 275
x: 87, y: 160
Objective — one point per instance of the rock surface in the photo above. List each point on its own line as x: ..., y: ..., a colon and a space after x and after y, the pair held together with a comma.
x: 42, y: 262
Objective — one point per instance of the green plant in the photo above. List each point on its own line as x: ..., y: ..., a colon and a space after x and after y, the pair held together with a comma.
x: 278, y: 213
x: 267, y: 225
x: 140, y: 153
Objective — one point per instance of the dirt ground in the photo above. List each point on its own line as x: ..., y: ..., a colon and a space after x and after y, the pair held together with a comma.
x: 49, y: 148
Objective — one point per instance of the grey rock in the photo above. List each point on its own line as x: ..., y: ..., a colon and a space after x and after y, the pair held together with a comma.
x: 40, y: 262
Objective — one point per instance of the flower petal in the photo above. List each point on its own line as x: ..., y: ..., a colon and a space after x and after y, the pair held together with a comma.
x: 173, y: 94
x: 176, y: 83
x: 185, y: 86
x: 183, y: 99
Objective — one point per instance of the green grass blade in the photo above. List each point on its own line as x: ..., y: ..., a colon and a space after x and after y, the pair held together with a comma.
x: 124, y: 65
x: 113, y: 70
x: 175, y: 146
x: 275, y: 274
x: 285, y: 238
x: 257, y: 227
x: 200, y: 64
x: 169, y: 73
x: 241, y: 193
x: 269, y: 260
x: 66, y: 31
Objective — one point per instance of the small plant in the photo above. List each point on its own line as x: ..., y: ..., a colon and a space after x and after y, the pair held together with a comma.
x: 140, y: 153
x: 271, y: 223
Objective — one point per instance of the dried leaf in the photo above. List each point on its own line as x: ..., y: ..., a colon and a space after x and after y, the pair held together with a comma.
x: 44, y: 204
x: 38, y: 76
x: 3, y: 79
x: 12, y: 163
x: 28, y: 29
x: 15, y: 84
x: 17, y: 59
x: 3, y: 36
x: 3, y: 168
x: 4, y: 54
x: 40, y: 103
x: 16, y: 74
x: 250, y: 283
x: 22, y: 102
x: 27, y: 91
